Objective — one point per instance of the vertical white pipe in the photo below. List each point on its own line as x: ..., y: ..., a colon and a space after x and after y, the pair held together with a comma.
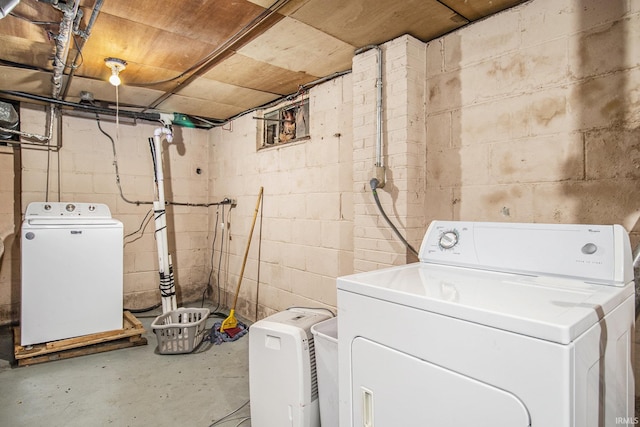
x: 378, y: 165
x: 159, y: 208
x: 379, y: 109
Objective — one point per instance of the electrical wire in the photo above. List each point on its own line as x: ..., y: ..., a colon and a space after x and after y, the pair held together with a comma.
x: 24, y: 18
x: 115, y: 165
x: 147, y: 202
x: 73, y: 65
x: 313, y: 308
x: 143, y: 310
x: 374, y: 184
x: 213, y: 253
x: 222, y: 240
x: 143, y: 226
x: 220, y: 420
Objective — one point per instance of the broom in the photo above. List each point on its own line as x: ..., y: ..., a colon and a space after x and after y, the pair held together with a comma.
x: 231, y: 321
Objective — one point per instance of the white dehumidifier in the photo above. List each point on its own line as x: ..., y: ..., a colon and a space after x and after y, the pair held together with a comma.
x: 283, y: 386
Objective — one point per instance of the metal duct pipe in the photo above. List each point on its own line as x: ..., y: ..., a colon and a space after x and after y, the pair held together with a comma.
x: 378, y: 166
x: 177, y: 119
x: 74, y: 105
x: 85, y: 36
x: 62, y: 47
x: 41, y: 138
x: 8, y: 119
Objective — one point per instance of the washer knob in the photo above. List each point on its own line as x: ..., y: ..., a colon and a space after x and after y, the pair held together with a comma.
x: 70, y: 207
x: 448, y: 239
x: 589, y: 249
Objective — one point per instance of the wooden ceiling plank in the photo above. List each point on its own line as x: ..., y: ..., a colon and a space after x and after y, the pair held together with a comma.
x: 105, y: 92
x: 242, y: 71
x: 211, y: 22
x: 201, y: 108
x: 363, y: 22
x: 478, y: 9
x: 298, y: 47
x: 23, y: 80
x: 138, y: 43
x: 206, y: 89
x: 26, y: 52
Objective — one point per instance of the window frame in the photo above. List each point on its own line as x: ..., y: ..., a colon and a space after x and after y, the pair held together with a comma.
x: 275, y: 124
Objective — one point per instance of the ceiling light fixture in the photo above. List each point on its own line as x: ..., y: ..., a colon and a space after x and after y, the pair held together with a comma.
x: 116, y: 65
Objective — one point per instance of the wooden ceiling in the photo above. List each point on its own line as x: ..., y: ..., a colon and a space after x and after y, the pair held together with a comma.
x: 212, y: 58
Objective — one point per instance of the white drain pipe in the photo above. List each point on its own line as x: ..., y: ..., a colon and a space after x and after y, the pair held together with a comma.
x: 165, y: 268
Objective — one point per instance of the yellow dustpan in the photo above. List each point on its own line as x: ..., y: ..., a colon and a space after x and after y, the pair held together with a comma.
x: 231, y: 321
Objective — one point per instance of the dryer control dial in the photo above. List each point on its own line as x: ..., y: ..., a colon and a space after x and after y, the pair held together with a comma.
x: 448, y: 239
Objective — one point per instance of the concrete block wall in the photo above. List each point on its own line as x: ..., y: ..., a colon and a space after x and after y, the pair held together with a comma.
x: 303, y: 235
x: 403, y: 152
x: 533, y: 116
x: 529, y: 115
x: 87, y: 174
x: 9, y: 226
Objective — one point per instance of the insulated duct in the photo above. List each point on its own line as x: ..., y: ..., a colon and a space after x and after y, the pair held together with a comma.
x: 8, y: 120
x: 85, y: 36
x: 62, y: 47
x: 6, y: 6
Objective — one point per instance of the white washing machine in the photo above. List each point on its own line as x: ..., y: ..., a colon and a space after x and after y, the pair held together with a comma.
x: 498, y: 325
x: 71, y: 271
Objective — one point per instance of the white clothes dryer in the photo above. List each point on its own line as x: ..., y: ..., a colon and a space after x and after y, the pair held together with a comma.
x: 498, y: 325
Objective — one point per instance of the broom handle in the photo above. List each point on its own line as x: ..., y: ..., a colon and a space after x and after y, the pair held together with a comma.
x: 246, y: 252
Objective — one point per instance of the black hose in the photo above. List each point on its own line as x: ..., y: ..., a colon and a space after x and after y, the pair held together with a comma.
x: 374, y: 185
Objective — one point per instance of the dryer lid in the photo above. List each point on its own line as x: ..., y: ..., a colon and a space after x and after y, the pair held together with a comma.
x: 551, y: 308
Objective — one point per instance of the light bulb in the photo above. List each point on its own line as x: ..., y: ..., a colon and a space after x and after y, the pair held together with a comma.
x: 115, y: 78
x: 116, y: 65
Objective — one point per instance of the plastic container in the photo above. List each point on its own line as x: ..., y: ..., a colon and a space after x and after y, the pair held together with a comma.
x: 325, y: 338
x: 180, y: 331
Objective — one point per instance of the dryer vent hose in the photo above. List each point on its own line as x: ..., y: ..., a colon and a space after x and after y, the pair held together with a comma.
x: 374, y: 185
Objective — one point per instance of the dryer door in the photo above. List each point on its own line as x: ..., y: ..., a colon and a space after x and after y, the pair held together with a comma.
x: 391, y: 388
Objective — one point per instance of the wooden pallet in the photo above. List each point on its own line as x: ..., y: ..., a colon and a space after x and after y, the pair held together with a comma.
x: 129, y: 336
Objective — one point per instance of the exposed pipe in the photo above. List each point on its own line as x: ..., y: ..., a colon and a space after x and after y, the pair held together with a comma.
x: 85, y: 36
x: 179, y: 119
x: 86, y: 107
x: 378, y: 166
x: 59, y: 61
x: 636, y: 279
x: 165, y: 269
x: 62, y: 47
x: 42, y: 138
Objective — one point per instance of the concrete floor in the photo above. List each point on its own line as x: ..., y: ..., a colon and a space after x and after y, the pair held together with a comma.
x: 128, y: 387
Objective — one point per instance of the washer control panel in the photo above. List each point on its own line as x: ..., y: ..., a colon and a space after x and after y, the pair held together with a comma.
x: 596, y: 253
x: 448, y: 239
x: 62, y: 210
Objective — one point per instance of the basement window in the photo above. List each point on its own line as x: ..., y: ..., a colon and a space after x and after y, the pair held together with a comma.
x: 285, y: 124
